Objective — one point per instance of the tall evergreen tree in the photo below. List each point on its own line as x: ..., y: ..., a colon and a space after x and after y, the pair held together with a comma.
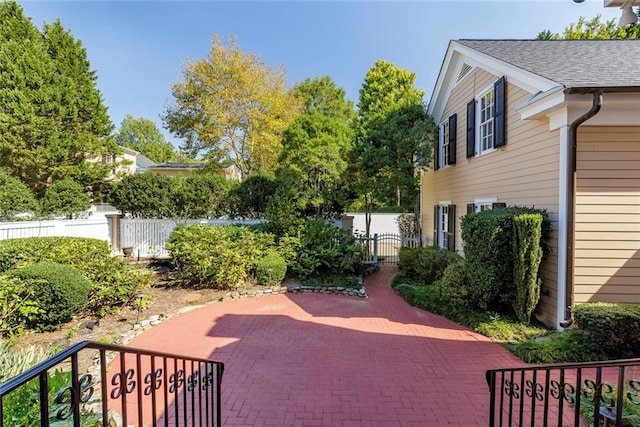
x: 53, y: 124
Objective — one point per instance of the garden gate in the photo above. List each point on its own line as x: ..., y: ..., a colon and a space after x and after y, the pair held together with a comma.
x: 385, y: 248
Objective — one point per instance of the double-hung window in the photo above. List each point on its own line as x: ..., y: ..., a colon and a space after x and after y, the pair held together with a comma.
x: 444, y: 225
x: 486, y: 120
x: 445, y: 151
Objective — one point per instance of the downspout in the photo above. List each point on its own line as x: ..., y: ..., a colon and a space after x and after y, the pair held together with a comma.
x: 570, y: 203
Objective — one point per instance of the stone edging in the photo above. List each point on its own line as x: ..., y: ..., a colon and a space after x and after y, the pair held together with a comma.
x: 297, y: 289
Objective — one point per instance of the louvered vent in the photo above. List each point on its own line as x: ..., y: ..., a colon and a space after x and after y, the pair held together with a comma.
x: 463, y: 71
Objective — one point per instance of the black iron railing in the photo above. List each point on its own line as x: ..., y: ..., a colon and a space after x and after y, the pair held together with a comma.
x: 580, y: 394
x: 93, y: 384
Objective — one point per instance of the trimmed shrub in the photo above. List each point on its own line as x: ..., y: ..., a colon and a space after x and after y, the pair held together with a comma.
x: 426, y: 265
x: 454, y: 284
x: 613, y: 328
x: 271, y: 269
x: 326, y: 250
x: 59, y: 291
x: 115, y: 282
x: 15, y: 196
x: 75, y: 251
x: 527, y: 257
x: 218, y: 257
x: 488, y: 247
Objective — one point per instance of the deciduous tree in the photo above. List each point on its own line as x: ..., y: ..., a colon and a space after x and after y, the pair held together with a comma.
x: 232, y: 106
x: 593, y: 29
x: 144, y: 136
x: 393, y: 131
x: 316, y: 149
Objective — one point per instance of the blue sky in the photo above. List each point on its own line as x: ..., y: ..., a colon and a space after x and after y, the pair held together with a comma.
x: 138, y: 48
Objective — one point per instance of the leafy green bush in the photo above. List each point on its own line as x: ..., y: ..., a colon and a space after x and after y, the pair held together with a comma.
x: 59, y: 291
x: 271, y: 269
x: 568, y: 346
x: 426, y: 265
x: 488, y: 247
x: 250, y: 198
x: 219, y: 257
x: 115, y: 282
x: 326, y: 250
x: 612, y: 328
x: 199, y: 196
x: 65, y: 197
x: 15, y: 196
x: 147, y: 195
x: 17, y: 307
x: 527, y: 230
x: 455, y: 284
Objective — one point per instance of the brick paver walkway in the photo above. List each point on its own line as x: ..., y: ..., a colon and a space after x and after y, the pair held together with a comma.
x: 329, y: 360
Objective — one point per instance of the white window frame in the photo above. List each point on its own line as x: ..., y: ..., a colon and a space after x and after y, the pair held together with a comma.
x: 444, y: 148
x: 483, y: 203
x: 443, y: 224
x: 485, y: 128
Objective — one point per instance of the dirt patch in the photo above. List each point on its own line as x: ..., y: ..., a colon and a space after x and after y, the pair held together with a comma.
x: 166, y: 298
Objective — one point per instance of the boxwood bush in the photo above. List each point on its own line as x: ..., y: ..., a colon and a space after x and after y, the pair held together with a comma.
x: 114, y: 281
x: 613, y: 328
x: 271, y: 269
x: 59, y: 291
x: 426, y: 265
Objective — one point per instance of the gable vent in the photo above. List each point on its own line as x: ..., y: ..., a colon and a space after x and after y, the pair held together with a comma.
x: 463, y: 71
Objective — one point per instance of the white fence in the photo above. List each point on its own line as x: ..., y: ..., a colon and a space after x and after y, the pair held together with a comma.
x: 381, y: 223
x: 148, y: 237
x: 95, y: 228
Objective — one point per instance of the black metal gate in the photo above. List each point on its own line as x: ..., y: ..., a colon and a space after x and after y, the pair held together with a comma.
x: 385, y: 248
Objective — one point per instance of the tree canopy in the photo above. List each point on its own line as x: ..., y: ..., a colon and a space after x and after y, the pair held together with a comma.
x: 52, y: 117
x: 232, y: 107
x: 65, y: 197
x: 144, y: 136
x: 593, y: 29
x: 316, y: 149
x: 393, y: 130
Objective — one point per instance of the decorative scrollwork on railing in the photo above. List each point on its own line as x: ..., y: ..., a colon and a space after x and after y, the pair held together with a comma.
x: 564, y: 391
x: 153, y: 380
x: 123, y: 382
x: 192, y: 380
x: 207, y: 380
x: 176, y: 380
x: 634, y: 392
x: 512, y: 389
x: 534, y: 388
x: 64, y: 396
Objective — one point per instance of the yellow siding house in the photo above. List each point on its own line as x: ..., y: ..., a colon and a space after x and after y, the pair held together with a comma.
x: 553, y: 124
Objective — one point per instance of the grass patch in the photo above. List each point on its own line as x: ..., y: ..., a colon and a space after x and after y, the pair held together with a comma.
x: 531, y: 343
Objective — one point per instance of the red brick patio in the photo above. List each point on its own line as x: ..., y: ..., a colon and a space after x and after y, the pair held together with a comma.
x: 330, y: 360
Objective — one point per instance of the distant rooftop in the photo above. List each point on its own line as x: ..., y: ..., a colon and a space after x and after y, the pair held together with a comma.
x: 172, y: 165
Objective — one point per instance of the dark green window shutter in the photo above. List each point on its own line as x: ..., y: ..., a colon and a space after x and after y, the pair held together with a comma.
x: 435, y: 225
x: 451, y: 229
x: 436, y: 151
x: 471, y: 208
x: 498, y: 205
x: 499, y: 114
x: 453, y: 131
x: 471, y: 128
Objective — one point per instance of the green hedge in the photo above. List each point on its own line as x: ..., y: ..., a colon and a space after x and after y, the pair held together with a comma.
x: 426, y: 265
x: 271, y: 269
x: 488, y: 247
x: 59, y: 291
x: 217, y: 257
x: 613, y: 329
x: 115, y: 282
